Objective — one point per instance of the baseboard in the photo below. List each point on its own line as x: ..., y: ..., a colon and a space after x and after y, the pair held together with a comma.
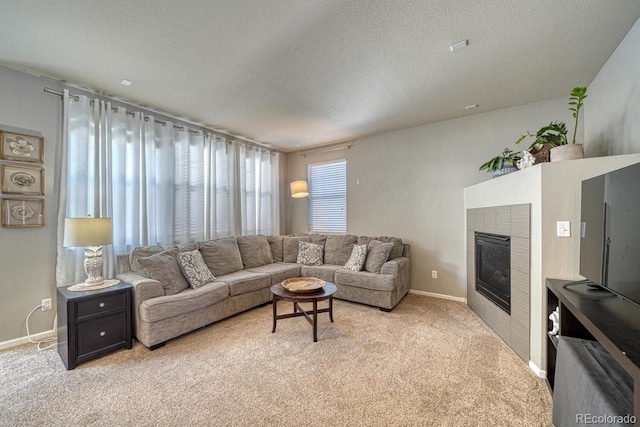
x: 434, y: 295
x: 25, y: 340
x: 539, y: 372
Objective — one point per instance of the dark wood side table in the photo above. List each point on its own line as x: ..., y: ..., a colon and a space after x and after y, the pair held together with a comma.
x: 326, y: 292
x: 93, y: 323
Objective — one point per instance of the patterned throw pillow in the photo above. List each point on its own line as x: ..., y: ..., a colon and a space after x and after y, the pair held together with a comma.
x: 309, y: 253
x: 357, y: 259
x: 194, y: 269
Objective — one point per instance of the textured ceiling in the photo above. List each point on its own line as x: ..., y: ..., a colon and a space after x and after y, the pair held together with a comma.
x: 298, y: 73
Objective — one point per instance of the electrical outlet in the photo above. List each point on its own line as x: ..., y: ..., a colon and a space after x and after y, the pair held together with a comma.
x: 46, y: 304
x: 434, y: 274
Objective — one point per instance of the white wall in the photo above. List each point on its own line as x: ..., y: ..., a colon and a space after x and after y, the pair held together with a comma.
x: 412, y: 185
x: 28, y: 255
x: 612, y: 108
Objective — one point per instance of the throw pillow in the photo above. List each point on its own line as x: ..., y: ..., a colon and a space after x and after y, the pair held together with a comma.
x: 290, y: 247
x: 194, y: 269
x: 357, y: 259
x: 309, y: 254
x: 164, y: 268
x: 377, y: 254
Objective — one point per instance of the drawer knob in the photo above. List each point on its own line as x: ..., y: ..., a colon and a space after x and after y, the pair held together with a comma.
x: 103, y: 333
x: 102, y: 305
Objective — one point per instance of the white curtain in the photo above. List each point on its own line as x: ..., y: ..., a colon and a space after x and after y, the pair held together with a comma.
x: 259, y: 190
x: 161, y: 184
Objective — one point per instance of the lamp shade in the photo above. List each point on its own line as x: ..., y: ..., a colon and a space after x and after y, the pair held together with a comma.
x: 87, y: 232
x: 299, y: 189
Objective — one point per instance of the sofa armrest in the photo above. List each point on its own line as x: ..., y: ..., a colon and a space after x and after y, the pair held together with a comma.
x: 143, y: 287
x: 400, y: 268
x: 394, y: 266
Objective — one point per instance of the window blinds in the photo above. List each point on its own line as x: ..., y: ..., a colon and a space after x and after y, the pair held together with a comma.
x: 328, y: 197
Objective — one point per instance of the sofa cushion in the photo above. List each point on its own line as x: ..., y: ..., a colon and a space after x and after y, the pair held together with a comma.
x: 143, y: 252
x: 377, y: 254
x: 318, y: 239
x: 186, y: 247
x: 398, y: 247
x: 244, y: 281
x: 365, y: 280
x: 160, y: 308
x: 324, y: 272
x: 364, y: 240
x: 290, y: 247
x: 222, y: 256
x: 275, y: 242
x: 357, y: 259
x: 279, y: 271
x: 309, y: 253
x: 254, y: 250
x: 194, y: 269
x: 337, y: 249
x: 164, y: 268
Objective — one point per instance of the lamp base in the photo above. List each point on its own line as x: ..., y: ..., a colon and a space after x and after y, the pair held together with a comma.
x: 93, y: 265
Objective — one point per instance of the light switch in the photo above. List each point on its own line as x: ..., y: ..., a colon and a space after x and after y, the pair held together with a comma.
x: 564, y: 228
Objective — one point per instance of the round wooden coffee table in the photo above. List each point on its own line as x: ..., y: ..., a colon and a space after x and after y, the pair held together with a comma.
x: 326, y: 292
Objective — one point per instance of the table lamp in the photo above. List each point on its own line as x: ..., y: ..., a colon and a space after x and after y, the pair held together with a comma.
x: 91, y: 233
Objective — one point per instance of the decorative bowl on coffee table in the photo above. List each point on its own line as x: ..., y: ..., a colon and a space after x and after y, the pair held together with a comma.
x: 300, y: 285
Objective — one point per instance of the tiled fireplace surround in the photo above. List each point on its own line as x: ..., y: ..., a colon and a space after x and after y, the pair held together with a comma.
x: 513, y: 221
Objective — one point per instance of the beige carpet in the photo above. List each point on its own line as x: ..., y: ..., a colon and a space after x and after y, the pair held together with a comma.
x: 429, y: 362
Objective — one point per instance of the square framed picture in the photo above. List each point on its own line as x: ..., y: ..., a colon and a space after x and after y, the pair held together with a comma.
x: 22, y: 180
x: 22, y: 212
x: 20, y: 147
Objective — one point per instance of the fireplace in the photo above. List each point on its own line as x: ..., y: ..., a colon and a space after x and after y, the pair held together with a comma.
x: 493, y: 264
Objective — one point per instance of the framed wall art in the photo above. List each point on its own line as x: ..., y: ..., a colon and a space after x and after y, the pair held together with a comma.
x: 22, y: 212
x: 22, y: 180
x: 20, y: 147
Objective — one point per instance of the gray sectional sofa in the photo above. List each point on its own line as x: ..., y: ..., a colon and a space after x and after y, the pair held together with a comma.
x: 240, y: 271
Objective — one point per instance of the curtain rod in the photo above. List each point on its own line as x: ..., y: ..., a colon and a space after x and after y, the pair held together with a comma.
x: 164, y: 123
x: 324, y: 149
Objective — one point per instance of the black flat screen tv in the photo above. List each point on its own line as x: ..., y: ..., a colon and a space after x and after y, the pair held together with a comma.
x: 610, y: 232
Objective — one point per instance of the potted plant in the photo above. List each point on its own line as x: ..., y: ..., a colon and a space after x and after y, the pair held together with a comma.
x: 571, y: 151
x: 503, y: 163
x: 553, y: 137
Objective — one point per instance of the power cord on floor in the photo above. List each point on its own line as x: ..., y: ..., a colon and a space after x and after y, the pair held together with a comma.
x: 51, y: 341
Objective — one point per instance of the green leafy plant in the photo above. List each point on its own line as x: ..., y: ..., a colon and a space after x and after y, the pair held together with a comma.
x: 578, y: 94
x: 555, y: 133
x: 506, y: 157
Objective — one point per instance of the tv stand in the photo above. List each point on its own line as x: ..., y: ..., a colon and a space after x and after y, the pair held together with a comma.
x: 587, y: 313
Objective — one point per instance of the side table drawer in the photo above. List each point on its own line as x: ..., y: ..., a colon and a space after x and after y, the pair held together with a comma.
x: 101, y: 334
x: 101, y: 304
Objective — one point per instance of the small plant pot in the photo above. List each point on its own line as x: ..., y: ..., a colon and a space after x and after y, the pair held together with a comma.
x: 505, y: 170
x: 567, y: 152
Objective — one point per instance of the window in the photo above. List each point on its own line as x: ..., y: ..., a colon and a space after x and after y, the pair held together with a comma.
x: 328, y: 197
